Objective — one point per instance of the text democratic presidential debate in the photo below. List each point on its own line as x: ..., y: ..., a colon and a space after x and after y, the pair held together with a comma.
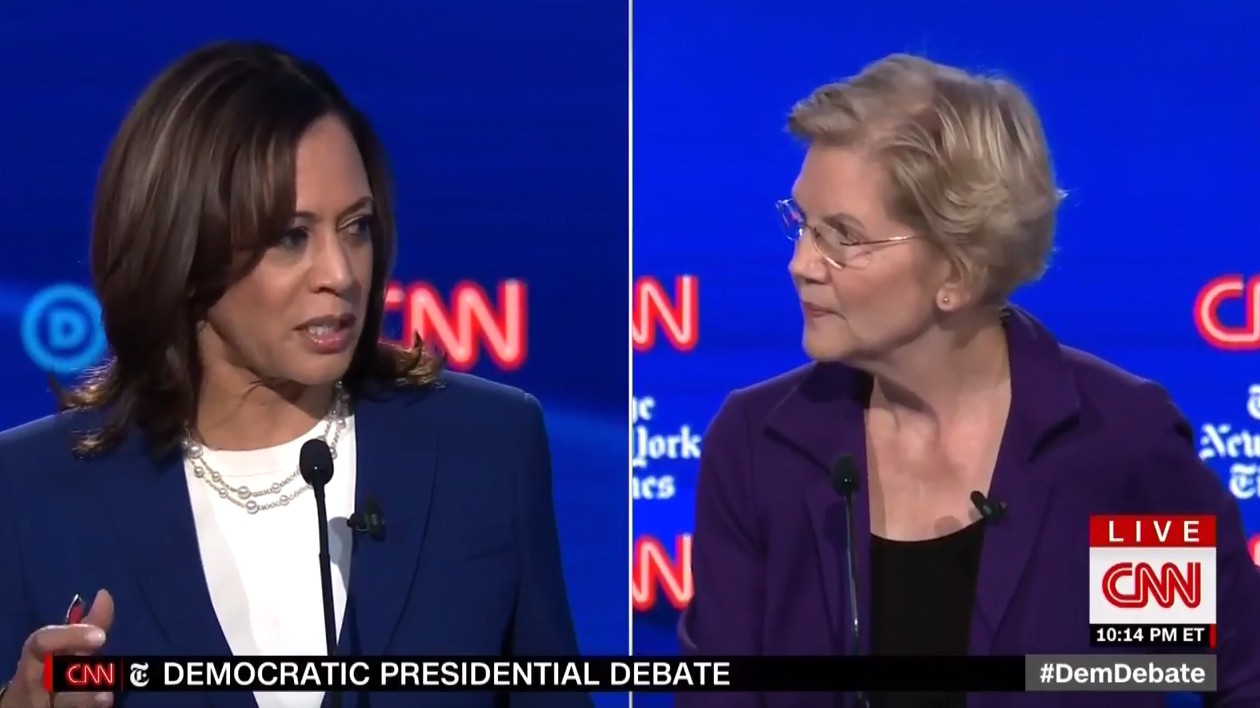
x: 595, y: 674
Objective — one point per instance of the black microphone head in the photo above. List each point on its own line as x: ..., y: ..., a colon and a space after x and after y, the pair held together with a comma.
x: 844, y: 475
x: 990, y: 510
x: 374, y: 518
x: 999, y: 510
x: 368, y: 519
x: 315, y: 462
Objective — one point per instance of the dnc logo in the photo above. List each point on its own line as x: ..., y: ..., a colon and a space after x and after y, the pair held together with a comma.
x: 61, y: 329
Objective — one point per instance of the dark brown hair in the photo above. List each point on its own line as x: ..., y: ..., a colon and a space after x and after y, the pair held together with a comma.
x: 196, y: 186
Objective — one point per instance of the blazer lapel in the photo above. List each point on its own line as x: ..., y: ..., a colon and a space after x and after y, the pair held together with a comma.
x: 1009, y: 541
x: 1043, y: 399
x: 147, y: 502
x: 822, y: 418
x: 397, y: 462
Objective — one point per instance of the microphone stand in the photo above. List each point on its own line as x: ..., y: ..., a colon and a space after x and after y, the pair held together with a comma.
x: 844, y: 478
x: 325, y: 579
x: 315, y: 462
x: 851, y: 562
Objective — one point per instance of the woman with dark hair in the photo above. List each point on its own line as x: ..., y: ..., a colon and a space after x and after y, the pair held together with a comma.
x: 241, y: 244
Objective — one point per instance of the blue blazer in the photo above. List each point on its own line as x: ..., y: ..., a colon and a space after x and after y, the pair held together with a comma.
x: 470, y: 563
x: 1082, y: 438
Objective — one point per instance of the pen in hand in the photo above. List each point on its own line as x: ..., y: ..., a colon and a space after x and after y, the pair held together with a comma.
x: 75, y: 612
x: 74, y: 615
x: 27, y: 688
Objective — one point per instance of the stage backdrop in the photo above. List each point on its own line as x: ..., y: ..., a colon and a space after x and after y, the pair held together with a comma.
x: 1154, y: 136
x: 506, y: 124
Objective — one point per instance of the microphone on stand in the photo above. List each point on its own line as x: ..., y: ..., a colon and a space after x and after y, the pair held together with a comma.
x: 844, y: 478
x: 316, y: 465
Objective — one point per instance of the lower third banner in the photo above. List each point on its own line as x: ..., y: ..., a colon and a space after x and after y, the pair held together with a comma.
x: 590, y: 674
x: 1088, y: 673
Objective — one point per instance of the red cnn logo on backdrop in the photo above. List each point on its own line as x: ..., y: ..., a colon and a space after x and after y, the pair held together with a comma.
x: 472, y: 322
x: 674, y: 317
x: 1152, y: 570
x: 1207, y: 313
x: 657, y: 574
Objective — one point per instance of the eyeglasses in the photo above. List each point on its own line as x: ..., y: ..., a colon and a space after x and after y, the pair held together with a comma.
x: 841, y: 245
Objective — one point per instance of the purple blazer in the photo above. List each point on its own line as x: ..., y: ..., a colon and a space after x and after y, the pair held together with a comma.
x: 1083, y: 437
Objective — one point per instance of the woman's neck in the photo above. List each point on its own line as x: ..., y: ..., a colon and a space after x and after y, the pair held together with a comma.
x: 252, y: 416
x: 942, y: 373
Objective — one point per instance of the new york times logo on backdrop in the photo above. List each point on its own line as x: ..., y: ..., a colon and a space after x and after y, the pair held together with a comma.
x: 649, y: 446
x: 1239, y: 297
x: 1234, y: 450
x: 62, y: 334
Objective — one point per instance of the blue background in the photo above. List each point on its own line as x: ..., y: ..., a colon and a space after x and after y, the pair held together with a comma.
x: 1154, y: 131
x: 506, y: 126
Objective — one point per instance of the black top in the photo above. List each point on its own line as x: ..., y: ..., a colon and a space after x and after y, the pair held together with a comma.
x: 922, y: 593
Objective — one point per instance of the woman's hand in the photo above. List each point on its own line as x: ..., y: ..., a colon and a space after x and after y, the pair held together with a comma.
x: 26, y: 690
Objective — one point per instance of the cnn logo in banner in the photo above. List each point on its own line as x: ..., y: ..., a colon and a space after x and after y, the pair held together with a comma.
x: 1152, y: 570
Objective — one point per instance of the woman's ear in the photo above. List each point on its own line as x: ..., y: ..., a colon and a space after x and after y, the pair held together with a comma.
x: 961, y: 288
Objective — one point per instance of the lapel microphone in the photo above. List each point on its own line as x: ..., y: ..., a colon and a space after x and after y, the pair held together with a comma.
x: 990, y: 511
x: 369, y: 520
x: 316, y: 465
x: 844, y: 478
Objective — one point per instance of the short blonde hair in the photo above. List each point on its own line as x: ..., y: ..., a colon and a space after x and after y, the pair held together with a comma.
x: 965, y: 158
